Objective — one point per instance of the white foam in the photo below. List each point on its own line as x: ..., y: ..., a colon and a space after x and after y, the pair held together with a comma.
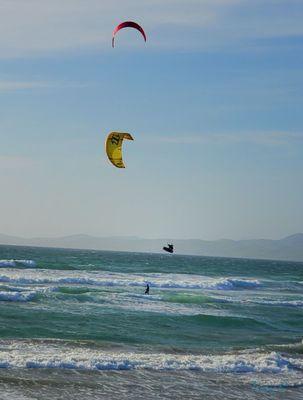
x: 16, y: 263
x: 166, y: 281
x: 261, y: 301
x: 287, y: 303
x: 18, y: 296
x: 23, y: 354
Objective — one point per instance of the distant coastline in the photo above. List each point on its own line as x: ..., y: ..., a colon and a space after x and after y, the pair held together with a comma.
x: 289, y: 248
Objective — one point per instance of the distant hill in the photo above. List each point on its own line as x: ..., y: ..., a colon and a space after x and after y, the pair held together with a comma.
x: 289, y: 248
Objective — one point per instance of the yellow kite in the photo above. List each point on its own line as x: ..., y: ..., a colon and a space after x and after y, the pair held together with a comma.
x: 113, y: 146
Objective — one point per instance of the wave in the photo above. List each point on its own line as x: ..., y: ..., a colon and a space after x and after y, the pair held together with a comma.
x: 260, y: 301
x: 18, y: 296
x: 17, y: 263
x: 131, y: 302
x: 153, y: 304
x: 136, y: 302
x: 58, y: 355
x: 163, y: 281
x: 287, y: 303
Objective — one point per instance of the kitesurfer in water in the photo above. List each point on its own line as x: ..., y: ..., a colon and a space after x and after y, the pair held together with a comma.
x: 147, y: 289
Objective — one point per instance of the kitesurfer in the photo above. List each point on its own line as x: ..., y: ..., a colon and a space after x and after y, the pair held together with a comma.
x: 147, y: 289
x: 169, y: 248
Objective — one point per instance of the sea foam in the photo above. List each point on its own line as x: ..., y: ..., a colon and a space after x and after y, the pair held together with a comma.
x: 18, y: 296
x: 165, y: 281
x: 23, y: 354
x: 17, y: 263
x: 261, y: 301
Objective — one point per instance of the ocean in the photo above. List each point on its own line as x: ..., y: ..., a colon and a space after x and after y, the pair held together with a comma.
x: 76, y: 324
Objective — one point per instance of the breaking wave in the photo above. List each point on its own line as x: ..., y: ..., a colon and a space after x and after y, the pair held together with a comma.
x: 17, y: 263
x: 22, y: 294
x: 261, y: 301
x: 54, y: 354
x: 177, y: 281
x: 285, y: 303
x: 18, y: 296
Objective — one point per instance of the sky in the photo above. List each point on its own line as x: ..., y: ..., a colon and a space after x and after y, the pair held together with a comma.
x: 213, y: 101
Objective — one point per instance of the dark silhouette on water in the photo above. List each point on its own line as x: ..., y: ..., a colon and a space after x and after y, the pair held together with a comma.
x: 147, y: 289
x: 169, y: 248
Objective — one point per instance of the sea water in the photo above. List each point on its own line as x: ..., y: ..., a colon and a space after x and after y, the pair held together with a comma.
x: 76, y: 324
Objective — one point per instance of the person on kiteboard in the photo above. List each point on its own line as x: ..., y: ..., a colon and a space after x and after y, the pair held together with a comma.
x: 147, y: 289
x: 169, y: 248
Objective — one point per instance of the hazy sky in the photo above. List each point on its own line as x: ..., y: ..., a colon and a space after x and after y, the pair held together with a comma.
x: 213, y: 99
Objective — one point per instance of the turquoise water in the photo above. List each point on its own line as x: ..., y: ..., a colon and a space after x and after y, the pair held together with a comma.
x: 81, y: 318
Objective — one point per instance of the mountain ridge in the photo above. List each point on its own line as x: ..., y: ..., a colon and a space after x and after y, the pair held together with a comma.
x: 289, y: 248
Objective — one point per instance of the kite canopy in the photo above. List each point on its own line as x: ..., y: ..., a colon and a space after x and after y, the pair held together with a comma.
x: 128, y: 24
x: 113, y: 146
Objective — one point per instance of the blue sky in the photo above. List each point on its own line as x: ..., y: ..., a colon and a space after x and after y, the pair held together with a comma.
x: 213, y: 100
